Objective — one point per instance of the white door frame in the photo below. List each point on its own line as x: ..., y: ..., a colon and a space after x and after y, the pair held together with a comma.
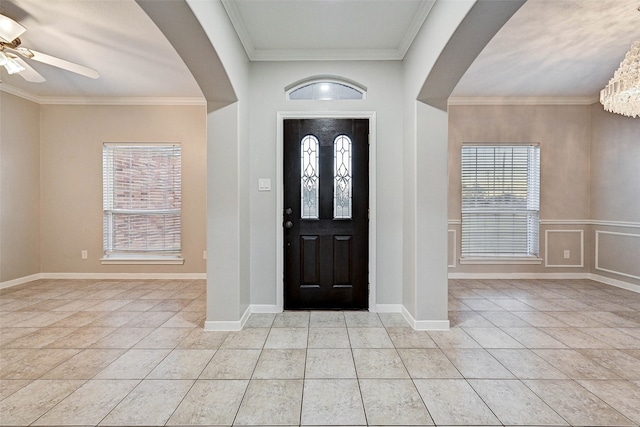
x: 281, y: 116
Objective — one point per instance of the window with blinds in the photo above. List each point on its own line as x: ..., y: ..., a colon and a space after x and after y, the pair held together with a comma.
x: 141, y: 200
x: 500, y: 200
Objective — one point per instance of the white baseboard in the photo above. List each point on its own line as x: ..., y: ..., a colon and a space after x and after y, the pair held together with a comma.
x: 566, y: 276
x: 104, y: 276
x: 425, y: 325
x: 387, y: 308
x: 228, y: 325
x: 126, y: 276
x: 420, y: 325
x: 614, y: 282
x: 541, y: 276
x: 20, y: 280
x: 264, y: 308
x: 220, y: 325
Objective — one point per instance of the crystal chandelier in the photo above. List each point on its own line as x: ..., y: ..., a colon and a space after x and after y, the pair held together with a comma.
x: 622, y: 94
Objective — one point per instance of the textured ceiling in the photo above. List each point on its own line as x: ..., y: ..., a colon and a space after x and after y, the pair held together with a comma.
x: 114, y: 37
x: 554, y: 48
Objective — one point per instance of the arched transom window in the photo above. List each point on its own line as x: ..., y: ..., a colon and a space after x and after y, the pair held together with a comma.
x: 325, y: 90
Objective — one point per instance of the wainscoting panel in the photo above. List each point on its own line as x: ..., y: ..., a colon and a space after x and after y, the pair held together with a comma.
x: 452, y: 250
x: 612, y: 253
x: 556, y: 242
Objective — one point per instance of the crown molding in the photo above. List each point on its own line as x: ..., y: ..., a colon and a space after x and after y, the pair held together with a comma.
x: 100, y: 100
x: 523, y: 100
x: 396, y: 54
x: 18, y: 92
x: 51, y: 100
x: 414, y: 27
x: 326, y: 55
x: 238, y: 24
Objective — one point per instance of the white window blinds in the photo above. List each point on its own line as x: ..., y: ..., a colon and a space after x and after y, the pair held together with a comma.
x: 141, y: 200
x: 500, y: 200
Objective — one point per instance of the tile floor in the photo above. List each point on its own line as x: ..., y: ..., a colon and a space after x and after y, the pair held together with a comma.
x: 119, y: 353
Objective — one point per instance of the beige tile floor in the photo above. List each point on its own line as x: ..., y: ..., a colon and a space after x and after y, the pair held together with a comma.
x: 116, y: 353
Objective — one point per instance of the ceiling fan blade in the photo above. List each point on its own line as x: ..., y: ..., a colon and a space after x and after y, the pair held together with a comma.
x: 29, y: 74
x: 65, y: 65
x: 10, y: 29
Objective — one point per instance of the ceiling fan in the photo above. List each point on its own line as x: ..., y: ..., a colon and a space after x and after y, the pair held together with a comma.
x: 12, y: 55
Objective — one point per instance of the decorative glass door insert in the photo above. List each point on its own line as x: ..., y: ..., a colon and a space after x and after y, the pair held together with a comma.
x: 309, y: 176
x: 342, y: 182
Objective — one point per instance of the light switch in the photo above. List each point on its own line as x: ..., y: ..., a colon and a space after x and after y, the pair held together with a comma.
x: 264, y: 184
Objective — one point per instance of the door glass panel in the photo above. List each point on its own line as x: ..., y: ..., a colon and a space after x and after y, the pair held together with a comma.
x: 342, y: 177
x: 309, y: 177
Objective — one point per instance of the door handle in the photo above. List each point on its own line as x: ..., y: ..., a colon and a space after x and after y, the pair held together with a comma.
x: 288, y: 224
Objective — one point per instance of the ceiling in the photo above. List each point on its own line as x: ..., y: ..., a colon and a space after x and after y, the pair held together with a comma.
x: 555, y: 48
x: 327, y: 30
x: 114, y: 37
x: 550, y: 48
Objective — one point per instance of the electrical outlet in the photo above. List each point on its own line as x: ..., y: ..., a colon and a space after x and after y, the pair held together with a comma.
x: 204, y: 254
x: 567, y: 254
x: 84, y: 255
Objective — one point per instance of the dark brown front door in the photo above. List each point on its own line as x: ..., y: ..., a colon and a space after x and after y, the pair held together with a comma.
x: 326, y: 213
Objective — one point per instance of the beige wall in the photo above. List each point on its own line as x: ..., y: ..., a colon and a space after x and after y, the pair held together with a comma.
x: 590, y: 185
x: 19, y: 187
x: 51, y: 178
x: 563, y: 133
x: 71, y: 177
x: 615, y: 167
x: 615, y: 195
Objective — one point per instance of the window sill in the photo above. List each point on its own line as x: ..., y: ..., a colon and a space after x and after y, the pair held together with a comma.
x: 501, y: 260
x: 142, y: 261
